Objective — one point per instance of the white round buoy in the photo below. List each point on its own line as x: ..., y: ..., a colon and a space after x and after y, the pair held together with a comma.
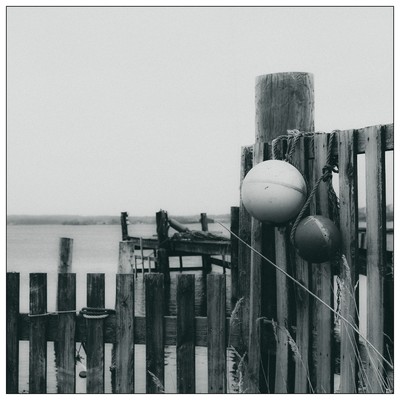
x: 274, y: 191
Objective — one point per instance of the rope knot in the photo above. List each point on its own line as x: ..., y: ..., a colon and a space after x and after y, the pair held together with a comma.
x: 327, y: 171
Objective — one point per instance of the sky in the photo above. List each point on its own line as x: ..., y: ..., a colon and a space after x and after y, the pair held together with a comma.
x: 138, y: 109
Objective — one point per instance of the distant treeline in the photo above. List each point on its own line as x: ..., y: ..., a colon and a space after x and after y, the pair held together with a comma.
x: 101, y: 219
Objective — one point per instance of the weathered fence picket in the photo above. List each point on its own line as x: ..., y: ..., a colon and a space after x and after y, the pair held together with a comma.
x: 65, y: 344
x: 95, y: 335
x: 154, y: 299
x: 125, y: 328
x: 37, y: 333
x: 347, y: 163
x: 12, y: 349
x: 376, y: 256
x: 216, y: 332
x: 185, y: 334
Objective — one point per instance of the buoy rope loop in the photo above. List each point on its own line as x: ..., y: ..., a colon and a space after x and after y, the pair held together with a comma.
x: 96, y: 312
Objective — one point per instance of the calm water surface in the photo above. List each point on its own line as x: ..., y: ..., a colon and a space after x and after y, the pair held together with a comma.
x: 34, y: 248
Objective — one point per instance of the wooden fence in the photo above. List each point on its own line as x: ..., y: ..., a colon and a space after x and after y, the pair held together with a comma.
x: 67, y: 326
x: 304, y: 327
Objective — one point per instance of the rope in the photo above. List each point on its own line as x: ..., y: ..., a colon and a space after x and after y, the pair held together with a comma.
x: 326, y: 177
x: 52, y: 313
x: 96, y: 312
x: 309, y: 292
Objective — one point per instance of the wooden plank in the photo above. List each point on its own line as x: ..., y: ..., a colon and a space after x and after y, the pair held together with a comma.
x: 125, y: 256
x: 95, y: 335
x: 37, y: 333
x: 234, y: 256
x: 301, y: 297
x: 125, y: 327
x: 154, y: 298
x: 244, y: 256
x: 347, y: 162
x: 124, y: 225
x: 65, y: 345
x: 216, y: 354
x: 185, y: 334
x: 321, y: 281
x: 388, y: 140
x: 12, y: 345
x: 220, y: 263
x: 201, y: 247
x: 206, y: 262
x: 376, y: 252
x: 65, y: 255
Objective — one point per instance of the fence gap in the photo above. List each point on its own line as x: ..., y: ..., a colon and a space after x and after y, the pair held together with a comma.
x: 185, y: 334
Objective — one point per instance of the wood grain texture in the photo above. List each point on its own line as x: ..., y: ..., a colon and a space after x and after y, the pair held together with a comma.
x: 125, y: 328
x: 65, y: 255
x: 126, y: 253
x: 376, y: 254
x: 185, y: 334
x: 65, y: 345
x: 154, y: 299
x: 216, y: 332
x: 37, y: 333
x: 234, y: 256
x: 321, y: 281
x: 95, y: 335
x: 347, y: 160
x: 12, y: 346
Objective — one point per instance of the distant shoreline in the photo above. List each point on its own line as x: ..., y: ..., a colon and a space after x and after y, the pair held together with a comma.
x: 101, y: 219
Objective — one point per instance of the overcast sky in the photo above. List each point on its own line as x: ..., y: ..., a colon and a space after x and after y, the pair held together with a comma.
x: 137, y: 109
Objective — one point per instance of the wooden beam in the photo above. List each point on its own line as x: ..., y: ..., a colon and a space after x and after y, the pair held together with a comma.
x: 210, y: 247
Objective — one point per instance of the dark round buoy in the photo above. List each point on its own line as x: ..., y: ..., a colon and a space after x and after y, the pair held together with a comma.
x: 317, y: 239
x: 82, y: 374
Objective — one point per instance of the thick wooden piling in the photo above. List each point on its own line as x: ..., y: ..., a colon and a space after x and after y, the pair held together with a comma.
x: 347, y: 160
x: 125, y: 257
x: 163, y: 264
x: 206, y: 260
x: 65, y: 345
x: 125, y: 327
x: 321, y: 281
x: 376, y: 256
x: 65, y: 255
x: 154, y: 298
x: 37, y: 333
x: 234, y: 255
x: 185, y: 334
x: 216, y: 327
x: 12, y: 347
x: 95, y: 335
x: 124, y: 225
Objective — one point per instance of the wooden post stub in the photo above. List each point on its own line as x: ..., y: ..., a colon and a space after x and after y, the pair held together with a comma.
x: 125, y: 256
x: 65, y: 255
x: 206, y: 260
x: 124, y: 225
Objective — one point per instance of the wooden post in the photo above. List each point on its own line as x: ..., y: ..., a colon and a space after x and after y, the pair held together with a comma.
x: 124, y: 225
x: 163, y: 243
x: 125, y: 327
x: 65, y: 255
x: 216, y: 333
x: 283, y: 101
x: 141, y: 256
x: 244, y: 255
x: 154, y: 298
x: 65, y: 344
x: 180, y: 264
x: 37, y: 333
x: 95, y: 335
x: 185, y: 334
x: 206, y: 259
x: 347, y: 160
x: 321, y: 366
x: 163, y: 263
x: 234, y: 256
x: 126, y: 253
x: 376, y: 255
x: 12, y: 350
